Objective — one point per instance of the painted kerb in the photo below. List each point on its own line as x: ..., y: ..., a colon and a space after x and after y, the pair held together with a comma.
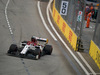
x: 64, y: 27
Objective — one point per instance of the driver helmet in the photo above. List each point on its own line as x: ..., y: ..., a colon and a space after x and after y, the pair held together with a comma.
x: 33, y: 39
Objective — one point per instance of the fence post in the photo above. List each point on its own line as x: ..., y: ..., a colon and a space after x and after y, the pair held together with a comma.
x: 81, y: 28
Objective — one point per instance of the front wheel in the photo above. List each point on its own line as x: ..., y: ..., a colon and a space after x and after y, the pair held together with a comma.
x: 12, y: 49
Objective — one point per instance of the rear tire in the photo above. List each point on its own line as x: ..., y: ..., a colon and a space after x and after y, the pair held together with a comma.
x: 48, y: 49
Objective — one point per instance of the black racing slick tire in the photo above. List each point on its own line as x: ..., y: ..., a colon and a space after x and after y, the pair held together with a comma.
x: 12, y: 49
x: 48, y: 49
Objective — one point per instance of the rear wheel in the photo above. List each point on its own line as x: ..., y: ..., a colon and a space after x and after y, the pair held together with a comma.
x: 48, y: 49
x: 12, y: 49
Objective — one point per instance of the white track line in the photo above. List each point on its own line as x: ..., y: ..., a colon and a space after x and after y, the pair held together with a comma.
x: 86, y: 63
x: 68, y: 47
x: 44, y: 23
x: 7, y: 17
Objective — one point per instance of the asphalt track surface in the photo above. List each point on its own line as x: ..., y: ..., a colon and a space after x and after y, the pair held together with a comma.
x: 25, y: 21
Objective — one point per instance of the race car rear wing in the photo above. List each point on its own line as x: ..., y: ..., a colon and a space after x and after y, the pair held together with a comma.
x: 41, y: 39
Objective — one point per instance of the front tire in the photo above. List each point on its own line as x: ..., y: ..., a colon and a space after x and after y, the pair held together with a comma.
x: 12, y: 49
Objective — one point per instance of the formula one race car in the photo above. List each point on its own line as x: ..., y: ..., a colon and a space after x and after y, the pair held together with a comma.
x: 35, y: 48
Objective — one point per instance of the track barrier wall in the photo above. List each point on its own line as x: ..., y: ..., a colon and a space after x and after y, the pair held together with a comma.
x: 65, y: 29
x: 95, y: 53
